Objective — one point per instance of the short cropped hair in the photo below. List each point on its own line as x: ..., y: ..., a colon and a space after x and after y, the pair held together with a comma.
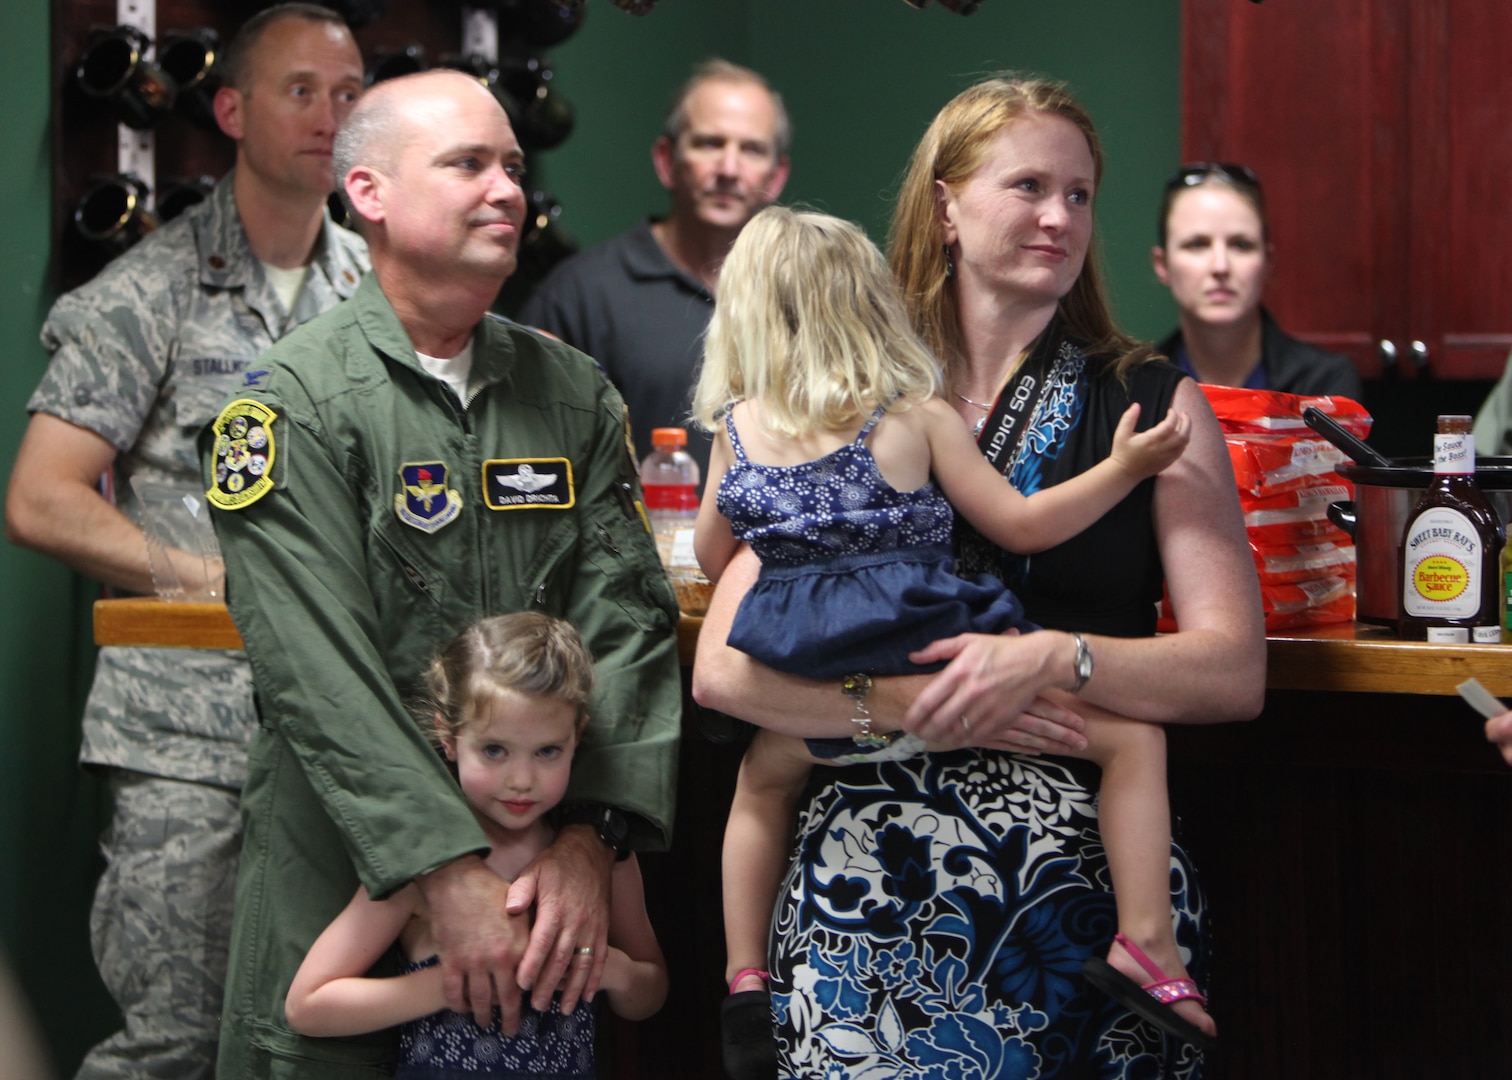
x: 236, y: 61
x: 373, y: 122
x: 717, y: 70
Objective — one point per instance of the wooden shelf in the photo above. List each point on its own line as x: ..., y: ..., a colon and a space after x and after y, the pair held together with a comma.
x: 161, y: 624
x: 158, y: 623
x: 1356, y: 658
x: 1346, y: 657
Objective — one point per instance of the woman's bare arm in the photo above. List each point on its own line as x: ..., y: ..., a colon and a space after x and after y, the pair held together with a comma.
x: 1212, y: 670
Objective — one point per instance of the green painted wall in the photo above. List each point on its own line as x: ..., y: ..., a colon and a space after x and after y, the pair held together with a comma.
x: 862, y: 79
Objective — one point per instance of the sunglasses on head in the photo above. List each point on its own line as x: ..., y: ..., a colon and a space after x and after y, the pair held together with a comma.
x: 1196, y: 172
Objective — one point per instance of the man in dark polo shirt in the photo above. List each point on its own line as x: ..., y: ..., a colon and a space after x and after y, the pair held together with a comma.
x: 639, y: 303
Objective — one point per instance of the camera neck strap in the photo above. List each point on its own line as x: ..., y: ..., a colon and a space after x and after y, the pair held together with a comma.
x: 1000, y: 436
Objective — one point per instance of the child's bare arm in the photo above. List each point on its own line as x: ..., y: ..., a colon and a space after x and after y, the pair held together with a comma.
x: 635, y: 974
x: 1030, y: 524
x: 1148, y: 453
x: 332, y: 995
x: 713, y: 541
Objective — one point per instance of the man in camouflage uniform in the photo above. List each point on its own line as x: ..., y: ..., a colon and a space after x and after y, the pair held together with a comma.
x: 142, y: 357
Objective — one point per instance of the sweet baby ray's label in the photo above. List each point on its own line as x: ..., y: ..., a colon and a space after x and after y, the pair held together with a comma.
x: 1442, y: 571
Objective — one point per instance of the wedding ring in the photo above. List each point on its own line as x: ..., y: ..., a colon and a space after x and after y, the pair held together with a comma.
x: 965, y: 723
x: 586, y: 950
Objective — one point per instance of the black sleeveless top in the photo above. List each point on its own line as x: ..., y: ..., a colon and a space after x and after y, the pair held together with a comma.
x: 1107, y: 579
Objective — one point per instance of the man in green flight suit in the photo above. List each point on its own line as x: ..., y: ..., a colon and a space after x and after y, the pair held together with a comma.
x: 409, y: 465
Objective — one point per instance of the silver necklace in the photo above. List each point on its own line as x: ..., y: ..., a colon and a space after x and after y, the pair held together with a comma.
x: 976, y: 429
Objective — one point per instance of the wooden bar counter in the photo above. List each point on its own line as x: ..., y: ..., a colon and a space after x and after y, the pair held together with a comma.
x: 1354, y: 844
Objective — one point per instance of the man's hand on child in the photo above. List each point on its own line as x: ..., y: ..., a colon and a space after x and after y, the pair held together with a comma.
x: 569, y: 885
x: 480, y: 945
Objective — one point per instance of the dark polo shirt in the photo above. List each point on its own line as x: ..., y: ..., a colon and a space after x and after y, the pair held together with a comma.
x: 625, y: 304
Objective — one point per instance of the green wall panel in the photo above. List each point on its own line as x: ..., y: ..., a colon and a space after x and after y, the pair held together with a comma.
x: 865, y: 77
x: 620, y: 72
x: 862, y: 79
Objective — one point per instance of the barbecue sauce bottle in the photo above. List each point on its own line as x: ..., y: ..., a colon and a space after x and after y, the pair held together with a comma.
x: 1451, y: 550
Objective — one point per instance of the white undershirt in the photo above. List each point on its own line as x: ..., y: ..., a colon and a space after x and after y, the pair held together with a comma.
x: 453, y: 371
x: 286, y: 283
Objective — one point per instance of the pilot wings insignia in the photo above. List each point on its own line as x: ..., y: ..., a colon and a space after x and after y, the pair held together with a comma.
x: 527, y: 480
x: 528, y: 484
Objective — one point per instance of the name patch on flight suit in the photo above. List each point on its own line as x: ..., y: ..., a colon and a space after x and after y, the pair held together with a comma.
x: 426, y: 503
x: 243, y: 454
x: 528, y: 484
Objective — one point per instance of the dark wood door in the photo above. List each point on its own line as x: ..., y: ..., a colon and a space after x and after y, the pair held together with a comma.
x: 1379, y: 130
x: 1460, y: 226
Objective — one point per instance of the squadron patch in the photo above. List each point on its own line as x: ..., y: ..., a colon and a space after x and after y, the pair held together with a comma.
x: 528, y: 484
x: 243, y: 454
x: 424, y: 501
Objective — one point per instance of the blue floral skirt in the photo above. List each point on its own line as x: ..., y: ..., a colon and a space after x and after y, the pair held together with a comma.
x: 934, y: 923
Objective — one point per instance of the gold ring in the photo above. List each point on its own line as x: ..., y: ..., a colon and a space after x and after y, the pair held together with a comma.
x: 586, y: 950
x: 965, y: 723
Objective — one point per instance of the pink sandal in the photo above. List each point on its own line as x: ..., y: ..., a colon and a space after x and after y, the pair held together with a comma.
x: 765, y: 976
x: 1152, y: 1000
x: 748, y: 1039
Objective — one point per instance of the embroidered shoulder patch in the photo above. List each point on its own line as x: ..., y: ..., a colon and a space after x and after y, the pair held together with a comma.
x: 424, y: 501
x: 243, y: 454
x: 528, y: 484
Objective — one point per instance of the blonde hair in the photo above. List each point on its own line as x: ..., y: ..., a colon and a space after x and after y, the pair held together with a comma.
x: 809, y: 322
x: 952, y: 149
x: 528, y: 653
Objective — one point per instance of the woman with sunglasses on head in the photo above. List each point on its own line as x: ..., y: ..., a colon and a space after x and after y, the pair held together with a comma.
x: 1215, y: 256
x: 952, y: 913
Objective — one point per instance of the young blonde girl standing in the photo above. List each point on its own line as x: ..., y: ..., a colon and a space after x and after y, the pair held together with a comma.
x: 834, y: 461
x: 508, y: 703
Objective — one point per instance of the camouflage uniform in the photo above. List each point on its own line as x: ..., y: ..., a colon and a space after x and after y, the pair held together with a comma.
x: 144, y: 355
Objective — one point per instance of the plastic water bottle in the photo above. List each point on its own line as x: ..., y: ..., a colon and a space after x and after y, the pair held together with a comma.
x: 669, y: 476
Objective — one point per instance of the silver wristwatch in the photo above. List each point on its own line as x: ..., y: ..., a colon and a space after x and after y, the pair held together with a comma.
x: 1083, y: 662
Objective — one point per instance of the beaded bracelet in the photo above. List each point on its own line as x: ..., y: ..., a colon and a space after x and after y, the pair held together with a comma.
x: 856, y: 687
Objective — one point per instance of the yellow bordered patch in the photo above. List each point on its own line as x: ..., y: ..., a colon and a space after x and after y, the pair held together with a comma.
x: 425, y: 502
x: 243, y: 454
x: 528, y: 484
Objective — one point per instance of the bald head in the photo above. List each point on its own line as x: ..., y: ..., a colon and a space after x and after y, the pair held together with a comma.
x: 433, y: 171
x: 386, y: 117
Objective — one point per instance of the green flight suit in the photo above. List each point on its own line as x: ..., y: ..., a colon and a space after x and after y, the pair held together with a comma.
x: 392, y: 519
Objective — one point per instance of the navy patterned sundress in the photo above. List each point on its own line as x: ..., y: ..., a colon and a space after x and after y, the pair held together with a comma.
x: 855, y: 574
x: 451, y: 1046
x: 935, y: 918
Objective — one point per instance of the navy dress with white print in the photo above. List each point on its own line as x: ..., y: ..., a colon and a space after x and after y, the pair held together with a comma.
x: 451, y: 1046
x: 855, y: 574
